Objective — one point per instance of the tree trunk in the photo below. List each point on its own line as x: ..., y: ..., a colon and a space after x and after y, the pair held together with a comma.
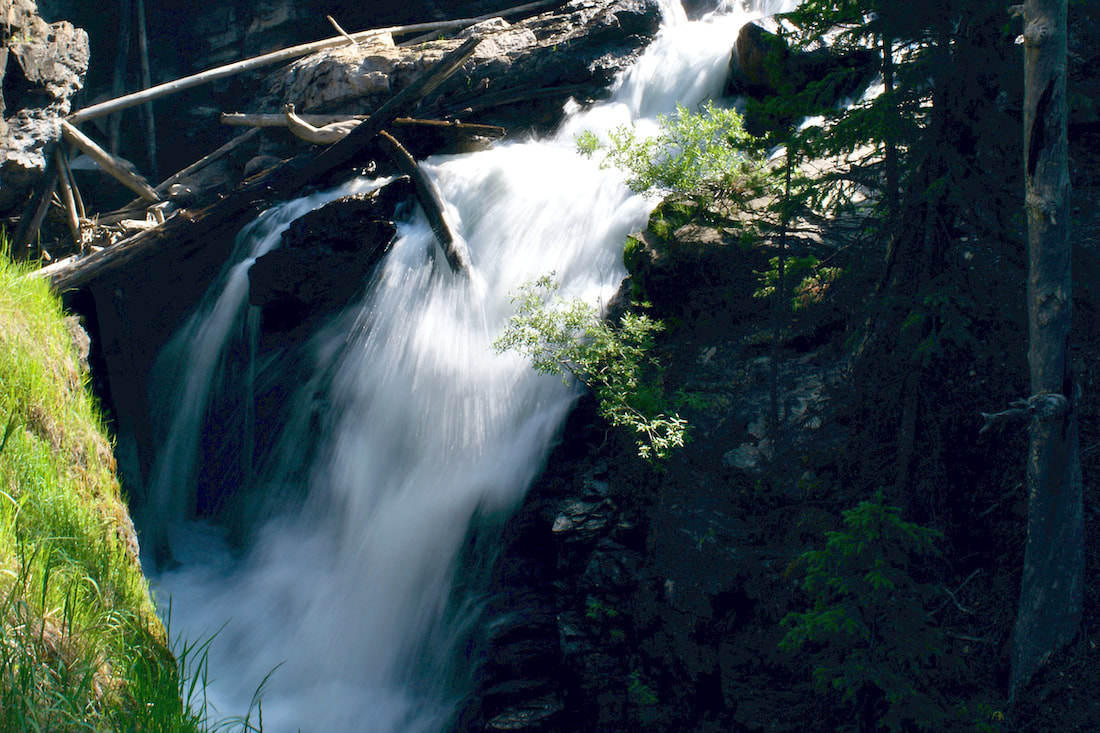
x: 1052, y: 587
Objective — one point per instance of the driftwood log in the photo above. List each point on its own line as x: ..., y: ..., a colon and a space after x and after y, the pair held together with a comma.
x: 427, y: 136
x: 221, y: 72
x: 346, y: 149
x: 189, y: 232
x: 118, y: 168
x: 458, y: 255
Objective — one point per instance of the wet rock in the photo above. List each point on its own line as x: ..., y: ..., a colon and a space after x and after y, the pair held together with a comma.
x: 536, y: 715
x: 696, y: 273
x: 326, y: 256
x: 42, y: 65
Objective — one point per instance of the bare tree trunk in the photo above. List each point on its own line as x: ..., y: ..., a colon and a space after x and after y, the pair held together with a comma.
x: 1052, y: 587
x: 146, y: 82
x: 122, y: 59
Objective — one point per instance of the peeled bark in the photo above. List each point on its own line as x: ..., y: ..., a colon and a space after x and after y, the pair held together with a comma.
x: 1052, y: 587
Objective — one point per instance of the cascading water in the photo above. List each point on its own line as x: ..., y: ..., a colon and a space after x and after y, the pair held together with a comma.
x: 348, y: 600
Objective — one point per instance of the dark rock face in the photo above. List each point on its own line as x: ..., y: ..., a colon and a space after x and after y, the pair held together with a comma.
x: 761, y: 66
x: 698, y: 274
x: 42, y: 66
x: 326, y: 256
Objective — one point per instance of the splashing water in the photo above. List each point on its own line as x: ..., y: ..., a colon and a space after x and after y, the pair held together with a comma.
x: 350, y: 597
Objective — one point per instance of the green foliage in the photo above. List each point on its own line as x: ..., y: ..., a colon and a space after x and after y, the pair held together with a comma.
x: 705, y: 156
x: 980, y: 717
x: 867, y: 630
x: 812, y: 277
x: 941, y: 324
x: 641, y: 693
x: 567, y: 337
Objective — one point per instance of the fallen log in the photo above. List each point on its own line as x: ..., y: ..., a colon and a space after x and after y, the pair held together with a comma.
x: 468, y: 105
x: 207, y: 233
x: 451, y: 129
x: 116, y: 167
x: 343, y: 151
x: 221, y: 72
x: 455, y: 250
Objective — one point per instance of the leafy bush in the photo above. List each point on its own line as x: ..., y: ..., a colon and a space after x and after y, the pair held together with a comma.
x: 700, y: 155
x: 568, y: 337
x: 867, y: 630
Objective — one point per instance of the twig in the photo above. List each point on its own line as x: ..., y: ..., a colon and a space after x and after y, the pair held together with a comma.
x: 974, y: 639
x: 341, y: 31
x: 76, y: 189
x: 67, y: 200
x: 1002, y: 500
x: 1018, y: 409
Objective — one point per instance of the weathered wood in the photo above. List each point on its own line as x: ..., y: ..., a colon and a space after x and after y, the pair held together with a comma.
x: 286, y: 54
x: 455, y: 250
x: 341, y: 31
x: 112, y: 165
x: 343, y: 151
x: 190, y: 233
x: 437, y: 32
x: 146, y: 82
x: 459, y: 130
x: 512, y: 96
x: 80, y: 210
x: 72, y: 216
x: 323, y: 135
x: 1052, y: 582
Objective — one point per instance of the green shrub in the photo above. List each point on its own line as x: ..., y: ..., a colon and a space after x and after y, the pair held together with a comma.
x: 568, y: 337
x: 700, y: 155
x: 867, y: 631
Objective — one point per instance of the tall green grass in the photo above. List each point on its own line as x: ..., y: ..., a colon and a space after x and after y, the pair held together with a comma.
x: 81, y: 646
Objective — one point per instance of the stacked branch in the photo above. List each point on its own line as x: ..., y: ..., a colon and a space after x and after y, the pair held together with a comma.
x: 220, y: 220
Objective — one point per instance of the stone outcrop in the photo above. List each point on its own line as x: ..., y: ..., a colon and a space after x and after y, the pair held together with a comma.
x: 762, y: 65
x: 521, y: 74
x: 42, y: 65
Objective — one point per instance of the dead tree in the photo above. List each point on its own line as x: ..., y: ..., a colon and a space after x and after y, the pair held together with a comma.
x: 1051, y: 592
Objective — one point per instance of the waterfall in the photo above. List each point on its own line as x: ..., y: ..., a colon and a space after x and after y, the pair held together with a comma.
x: 345, y: 601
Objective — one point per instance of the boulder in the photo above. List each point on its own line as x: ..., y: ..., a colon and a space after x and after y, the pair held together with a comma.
x: 521, y: 74
x: 42, y: 65
x: 762, y: 65
x: 326, y: 256
x: 687, y: 270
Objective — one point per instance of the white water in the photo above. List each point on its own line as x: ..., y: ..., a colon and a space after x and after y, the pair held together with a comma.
x: 350, y: 599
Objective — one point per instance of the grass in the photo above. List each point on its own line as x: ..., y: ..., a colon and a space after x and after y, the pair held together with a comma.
x: 81, y: 646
